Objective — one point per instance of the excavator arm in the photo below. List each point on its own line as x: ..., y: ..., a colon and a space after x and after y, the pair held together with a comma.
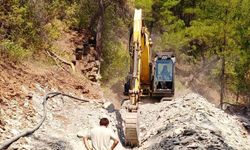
x: 140, y: 58
x: 139, y: 75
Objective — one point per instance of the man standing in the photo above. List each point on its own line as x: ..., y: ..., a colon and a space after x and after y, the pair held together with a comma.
x: 101, y: 137
x: 165, y: 74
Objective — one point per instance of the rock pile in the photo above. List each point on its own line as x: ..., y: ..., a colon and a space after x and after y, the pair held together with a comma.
x: 87, y: 60
x: 242, y: 113
x: 190, y: 122
x: 66, y: 122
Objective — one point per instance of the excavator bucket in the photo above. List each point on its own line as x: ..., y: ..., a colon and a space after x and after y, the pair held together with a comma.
x: 131, y: 129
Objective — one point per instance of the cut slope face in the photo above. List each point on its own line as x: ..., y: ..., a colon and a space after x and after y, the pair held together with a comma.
x: 23, y: 86
x: 190, y: 122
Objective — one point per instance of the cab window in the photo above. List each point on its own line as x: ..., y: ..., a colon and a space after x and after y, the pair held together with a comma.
x: 164, y: 70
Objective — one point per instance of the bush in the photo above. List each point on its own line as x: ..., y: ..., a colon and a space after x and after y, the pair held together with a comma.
x: 14, y: 51
x: 116, y: 61
x: 54, y: 29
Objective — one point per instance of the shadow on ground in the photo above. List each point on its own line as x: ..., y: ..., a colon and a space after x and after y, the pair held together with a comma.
x: 120, y: 127
x: 51, y: 143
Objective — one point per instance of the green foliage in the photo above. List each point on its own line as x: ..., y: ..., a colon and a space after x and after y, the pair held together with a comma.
x: 14, y: 51
x: 200, y: 29
x: 145, y: 5
x: 172, y: 15
x: 75, y: 18
x: 195, y: 29
x: 216, y: 28
x: 53, y: 29
x: 115, y: 53
x: 33, y: 25
x: 115, y: 64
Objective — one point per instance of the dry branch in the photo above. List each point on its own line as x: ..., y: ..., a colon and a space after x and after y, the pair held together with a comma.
x: 53, y: 55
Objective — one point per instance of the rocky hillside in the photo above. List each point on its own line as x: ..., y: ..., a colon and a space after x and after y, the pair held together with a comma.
x: 23, y: 87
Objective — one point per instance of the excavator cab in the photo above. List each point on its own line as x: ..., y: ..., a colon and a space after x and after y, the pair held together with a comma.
x: 163, y: 77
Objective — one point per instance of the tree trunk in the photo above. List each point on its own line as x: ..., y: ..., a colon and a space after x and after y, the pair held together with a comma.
x: 203, y: 57
x: 223, y: 61
x: 237, y: 96
x: 93, y: 20
x: 222, y: 78
x: 99, y: 29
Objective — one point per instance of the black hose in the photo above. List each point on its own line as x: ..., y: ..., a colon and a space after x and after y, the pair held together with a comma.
x: 7, y: 143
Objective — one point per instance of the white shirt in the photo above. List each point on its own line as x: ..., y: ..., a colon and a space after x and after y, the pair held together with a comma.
x: 101, y: 137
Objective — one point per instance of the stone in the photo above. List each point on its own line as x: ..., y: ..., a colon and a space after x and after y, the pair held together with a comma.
x: 178, y: 131
x: 82, y: 133
x: 193, y: 146
x: 189, y: 132
x: 108, y: 106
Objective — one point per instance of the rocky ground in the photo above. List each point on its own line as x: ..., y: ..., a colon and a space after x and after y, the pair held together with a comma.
x: 67, y: 121
x: 190, y: 122
x: 23, y: 87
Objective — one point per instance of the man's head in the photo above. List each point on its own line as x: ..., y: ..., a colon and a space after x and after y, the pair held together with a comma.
x: 165, y: 68
x: 104, y: 122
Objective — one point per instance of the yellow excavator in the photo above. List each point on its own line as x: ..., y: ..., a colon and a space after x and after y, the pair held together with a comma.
x: 147, y: 76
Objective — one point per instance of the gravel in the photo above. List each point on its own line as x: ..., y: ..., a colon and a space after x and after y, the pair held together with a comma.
x: 190, y: 122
